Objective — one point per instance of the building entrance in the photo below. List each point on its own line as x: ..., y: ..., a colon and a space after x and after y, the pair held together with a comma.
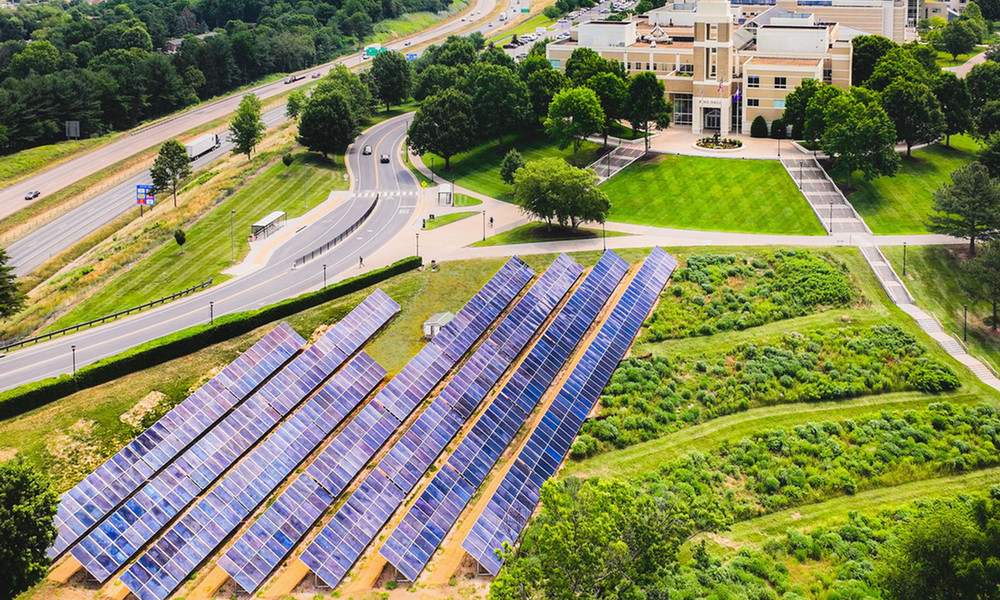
x: 713, y: 118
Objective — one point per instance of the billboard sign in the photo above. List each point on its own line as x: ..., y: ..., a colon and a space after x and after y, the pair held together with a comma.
x: 411, y: 56
x: 144, y: 195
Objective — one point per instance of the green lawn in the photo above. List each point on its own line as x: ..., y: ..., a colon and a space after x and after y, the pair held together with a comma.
x: 410, y: 23
x: 900, y: 204
x: 535, y: 232
x: 712, y: 194
x: 17, y: 166
x: 443, y: 220
x: 464, y: 200
x: 944, y: 59
x: 528, y: 26
x: 479, y: 169
x: 207, y: 251
x: 931, y: 278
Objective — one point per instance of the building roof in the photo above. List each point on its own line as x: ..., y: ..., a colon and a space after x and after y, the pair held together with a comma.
x: 441, y: 319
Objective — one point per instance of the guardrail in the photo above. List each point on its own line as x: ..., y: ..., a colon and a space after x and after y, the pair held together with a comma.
x: 122, y: 313
x: 307, y: 257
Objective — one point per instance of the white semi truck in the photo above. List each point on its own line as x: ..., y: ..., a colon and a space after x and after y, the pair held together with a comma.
x: 202, y: 145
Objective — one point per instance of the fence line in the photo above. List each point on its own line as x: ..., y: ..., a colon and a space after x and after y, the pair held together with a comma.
x: 307, y: 257
x: 100, y: 320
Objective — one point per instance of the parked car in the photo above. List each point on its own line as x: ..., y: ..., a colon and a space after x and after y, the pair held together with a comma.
x: 522, y: 56
x: 384, y: 159
x: 366, y: 150
x: 32, y: 195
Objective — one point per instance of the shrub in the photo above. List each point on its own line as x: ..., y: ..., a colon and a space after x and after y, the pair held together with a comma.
x: 758, y: 128
x: 778, y: 129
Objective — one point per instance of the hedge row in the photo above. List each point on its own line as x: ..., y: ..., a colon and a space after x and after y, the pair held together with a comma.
x: 33, y: 395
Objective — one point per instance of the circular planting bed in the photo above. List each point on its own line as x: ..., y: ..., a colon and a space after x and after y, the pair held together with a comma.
x: 717, y: 143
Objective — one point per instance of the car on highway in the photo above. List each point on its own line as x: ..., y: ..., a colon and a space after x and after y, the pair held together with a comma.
x: 366, y: 150
x: 32, y: 195
x: 406, y: 43
x: 316, y: 75
x: 384, y: 159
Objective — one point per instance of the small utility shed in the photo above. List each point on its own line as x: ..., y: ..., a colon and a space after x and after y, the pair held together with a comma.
x: 434, y: 324
x: 268, y: 225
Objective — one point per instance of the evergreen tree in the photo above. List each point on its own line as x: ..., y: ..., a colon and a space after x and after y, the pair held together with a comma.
x: 968, y: 207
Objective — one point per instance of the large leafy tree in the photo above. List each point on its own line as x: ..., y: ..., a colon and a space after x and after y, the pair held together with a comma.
x: 327, y: 124
x: 392, y: 77
x: 895, y: 64
x: 27, y: 507
x: 860, y: 137
x: 795, y: 106
x: 987, y: 120
x: 646, y: 104
x: 983, y: 275
x: 500, y: 100
x: 444, y: 125
x: 433, y: 80
x: 867, y: 50
x: 170, y: 167
x: 573, y: 115
x: 984, y: 83
x: 584, y: 63
x: 989, y: 156
x: 358, y: 95
x: 542, y: 86
x: 968, y: 207
x: 956, y: 103
x: 612, y: 92
x: 246, y: 130
x: 914, y: 111
x: 958, y: 37
x: 11, y: 298
x: 552, y: 190
x: 814, y: 116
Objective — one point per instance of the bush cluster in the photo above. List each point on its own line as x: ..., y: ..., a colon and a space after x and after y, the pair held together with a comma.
x: 714, y: 293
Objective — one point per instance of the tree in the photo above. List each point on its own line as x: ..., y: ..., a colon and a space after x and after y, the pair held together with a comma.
x: 612, y: 92
x: 180, y: 237
x: 551, y: 189
x: 295, y: 103
x: 433, y: 80
x: 444, y: 125
x: 392, y: 76
x: 816, y: 111
x: 358, y: 95
x: 867, y: 50
x: 895, y: 64
x: 542, y: 87
x: 983, y: 273
x: 758, y: 127
x: 914, y: 111
x: 11, y: 298
x: 500, y: 100
x: 988, y: 119
x: 956, y: 104
x: 968, y: 207
x: 328, y: 125
x: 510, y: 165
x: 27, y: 507
x: 287, y: 159
x: 778, y: 129
x: 795, y: 105
x: 584, y: 63
x: 171, y: 166
x: 646, y: 105
x: 989, y: 156
x: 860, y: 137
x: 958, y: 37
x: 247, y: 128
x: 993, y: 53
x: 573, y: 115
x: 984, y: 83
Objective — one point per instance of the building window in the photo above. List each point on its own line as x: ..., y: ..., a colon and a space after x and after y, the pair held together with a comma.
x: 828, y: 75
x: 779, y: 83
x: 683, y: 109
x: 779, y: 104
x: 753, y: 81
x: 686, y: 69
x: 753, y: 102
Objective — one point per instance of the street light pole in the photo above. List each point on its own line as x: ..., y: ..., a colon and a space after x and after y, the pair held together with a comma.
x: 831, y: 217
x: 904, y: 259
x: 432, y: 169
x: 418, y: 244
x: 211, y: 313
x: 232, y: 236
x: 604, y: 237
x: 73, y: 350
x: 800, y: 174
x: 484, y: 225
x: 324, y: 277
x: 779, y: 147
x: 965, y: 322
x: 305, y: 189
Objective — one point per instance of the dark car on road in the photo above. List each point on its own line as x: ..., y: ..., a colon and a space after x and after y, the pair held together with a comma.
x: 32, y: 195
x: 383, y: 158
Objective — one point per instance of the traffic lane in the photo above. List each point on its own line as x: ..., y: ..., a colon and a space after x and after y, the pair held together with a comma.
x: 274, y: 282
x: 33, y: 249
x: 397, y: 170
x: 368, y: 171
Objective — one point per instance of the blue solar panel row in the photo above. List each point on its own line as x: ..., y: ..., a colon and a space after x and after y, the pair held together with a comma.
x: 104, y: 489
x: 199, y: 531
x: 343, y: 540
x: 109, y: 545
x: 511, y: 506
x: 259, y: 551
x: 421, y: 531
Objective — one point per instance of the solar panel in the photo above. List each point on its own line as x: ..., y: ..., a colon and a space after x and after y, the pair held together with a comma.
x: 355, y: 525
x: 410, y: 546
x: 269, y: 539
x: 109, y: 545
x: 199, y: 531
x: 104, y: 489
x: 509, y: 509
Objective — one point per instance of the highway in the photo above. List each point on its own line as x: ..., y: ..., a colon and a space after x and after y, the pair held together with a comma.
x: 276, y: 281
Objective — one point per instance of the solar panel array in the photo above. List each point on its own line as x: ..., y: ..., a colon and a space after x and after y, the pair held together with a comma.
x: 104, y: 489
x: 257, y: 552
x: 511, y: 506
x: 356, y: 524
x: 108, y: 546
x: 420, y: 532
x: 200, y: 530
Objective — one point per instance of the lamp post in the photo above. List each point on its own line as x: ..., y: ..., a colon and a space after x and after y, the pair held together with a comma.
x: 965, y: 322
x: 831, y: 217
x: 604, y: 237
x: 904, y: 259
x: 232, y: 236
x: 484, y: 225
x: 324, y: 277
x: 305, y: 189
x: 73, y: 350
x: 418, y: 244
x: 800, y: 174
x: 211, y: 313
x: 779, y: 147
x: 432, y: 169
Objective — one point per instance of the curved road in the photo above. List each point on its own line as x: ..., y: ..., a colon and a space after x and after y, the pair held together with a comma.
x: 398, y: 190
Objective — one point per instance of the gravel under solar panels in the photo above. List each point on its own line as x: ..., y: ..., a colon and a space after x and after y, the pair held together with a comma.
x: 90, y: 500
x: 508, y: 511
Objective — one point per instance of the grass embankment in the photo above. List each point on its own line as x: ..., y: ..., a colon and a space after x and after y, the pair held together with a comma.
x: 934, y: 276
x: 442, y: 220
x: 900, y: 204
x: 526, y: 27
x: 537, y: 232
x: 479, y: 169
x: 712, y: 194
x: 207, y: 250
x: 23, y: 164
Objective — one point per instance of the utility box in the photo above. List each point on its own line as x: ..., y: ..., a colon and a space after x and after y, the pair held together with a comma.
x: 434, y: 324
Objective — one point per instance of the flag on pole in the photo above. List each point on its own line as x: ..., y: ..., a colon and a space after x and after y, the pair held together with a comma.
x: 720, y: 87
x: 737, y: 96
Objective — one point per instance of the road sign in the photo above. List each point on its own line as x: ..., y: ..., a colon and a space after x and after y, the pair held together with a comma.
x: 72, y: 130
x: 145, y: 195
x: 411, y: 56
x: 525, y: 10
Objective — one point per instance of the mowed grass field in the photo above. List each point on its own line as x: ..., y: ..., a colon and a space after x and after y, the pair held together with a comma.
x: 207, y: 251
x: 19, y: 165
x: 711, y: 194
x: 900, y: 204
x: 535, y: 232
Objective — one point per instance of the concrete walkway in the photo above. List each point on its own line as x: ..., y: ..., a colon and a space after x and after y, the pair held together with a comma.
x: 830, y: 205
x: 963, y: 69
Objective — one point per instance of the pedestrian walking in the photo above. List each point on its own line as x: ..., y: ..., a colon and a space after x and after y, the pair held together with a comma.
x: 491, y: 222
x: 361, y: 262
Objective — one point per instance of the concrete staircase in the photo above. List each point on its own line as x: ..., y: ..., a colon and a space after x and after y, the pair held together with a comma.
x: 620, y: 157
x: 831, y: 207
